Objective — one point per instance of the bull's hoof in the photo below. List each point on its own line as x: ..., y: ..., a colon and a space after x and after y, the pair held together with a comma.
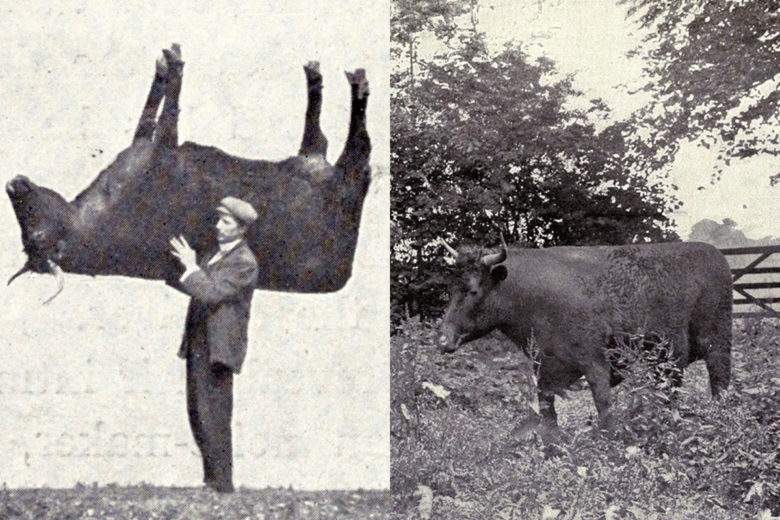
x: 161, y: 66
x: 313, y: 76
x: 359, y: 80
x: 173, y: 60
x: 550, y: 434
x: 525, y: 430
x: 19, y: 185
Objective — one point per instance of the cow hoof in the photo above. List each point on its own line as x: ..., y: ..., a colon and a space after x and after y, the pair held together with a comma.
x: 525, y: 430
x: 553, y: 450
x: 161, y: 66
x: 358, y: 78
x: 173, y: 59
x: 313, y: 76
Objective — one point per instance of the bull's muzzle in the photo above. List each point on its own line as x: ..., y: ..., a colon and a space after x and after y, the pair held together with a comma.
x: 449, y: 340
x: 18, y: 186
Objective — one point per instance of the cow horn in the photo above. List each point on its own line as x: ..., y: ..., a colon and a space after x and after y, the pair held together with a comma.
x: 59, y: 275
x: 495, y: 258
x: 452, y: 250
x: 25, y: 268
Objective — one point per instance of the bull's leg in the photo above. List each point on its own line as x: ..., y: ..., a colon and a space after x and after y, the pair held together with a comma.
x: 598, y: 376
x: 354, y: 159
x: 148, y: 120
x: 167, y: 130
x: 314, y: 141
x: 547, y: 407
x: 711, y: 338
x: 718, y: 363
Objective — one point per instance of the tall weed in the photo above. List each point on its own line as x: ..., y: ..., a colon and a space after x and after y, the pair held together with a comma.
x: 676, y: 453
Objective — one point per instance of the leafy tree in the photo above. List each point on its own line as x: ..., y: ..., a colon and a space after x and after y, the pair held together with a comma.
x: 713, y: 69
x: 481, y: 141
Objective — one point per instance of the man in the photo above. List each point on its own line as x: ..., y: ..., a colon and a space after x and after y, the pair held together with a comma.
x: 215, y: 336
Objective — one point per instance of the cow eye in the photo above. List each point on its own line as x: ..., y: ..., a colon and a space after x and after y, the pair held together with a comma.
x: 472, y: 292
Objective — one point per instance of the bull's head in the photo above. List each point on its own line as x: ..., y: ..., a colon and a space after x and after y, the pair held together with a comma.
x: 47, y: 221
x: 108, y: 228
x: 473, y: 310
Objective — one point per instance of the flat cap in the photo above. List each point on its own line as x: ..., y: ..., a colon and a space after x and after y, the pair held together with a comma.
x: 240, y: 209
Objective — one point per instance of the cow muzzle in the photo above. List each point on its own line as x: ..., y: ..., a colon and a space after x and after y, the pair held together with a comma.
x: 450, y: 340
x: 39, y: 236
x: 19, y: 186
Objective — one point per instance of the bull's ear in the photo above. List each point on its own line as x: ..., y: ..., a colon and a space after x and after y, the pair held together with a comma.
x: 498, y: 273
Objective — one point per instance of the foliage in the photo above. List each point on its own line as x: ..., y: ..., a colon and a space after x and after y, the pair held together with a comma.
x: 483, y: 140
x: 693, y: 458
x: 726, y: 234
x: 712, y: 68
x: 149, y: 502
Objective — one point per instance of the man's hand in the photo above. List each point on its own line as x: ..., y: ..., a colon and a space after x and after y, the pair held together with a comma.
x: 184, y: 253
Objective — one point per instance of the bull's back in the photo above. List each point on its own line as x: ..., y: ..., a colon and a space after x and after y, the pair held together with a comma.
x: 649, y: 286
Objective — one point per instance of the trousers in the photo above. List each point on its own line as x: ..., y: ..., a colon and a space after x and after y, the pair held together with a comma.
x: 210, y: 410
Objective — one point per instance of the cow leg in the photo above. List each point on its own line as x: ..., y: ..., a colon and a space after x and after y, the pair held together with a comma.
x: 711, y: 340
x: 354, y: 158
x: 148, y: 120
x: 718, y: 363
x: 598, y: 376
x: 314, y: 141
x: 547, y: 408
x: 167, y: 130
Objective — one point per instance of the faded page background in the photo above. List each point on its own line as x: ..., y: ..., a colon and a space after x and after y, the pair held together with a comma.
x: 90, y: 385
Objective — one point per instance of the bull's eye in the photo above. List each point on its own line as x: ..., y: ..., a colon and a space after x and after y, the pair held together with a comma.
x: 472, y: 292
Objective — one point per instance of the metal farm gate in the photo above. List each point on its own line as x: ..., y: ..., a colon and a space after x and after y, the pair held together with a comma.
x: 761, y: 278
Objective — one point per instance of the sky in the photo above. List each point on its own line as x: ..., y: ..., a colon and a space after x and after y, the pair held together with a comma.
x: 591, y: 38
x: 90, y: 385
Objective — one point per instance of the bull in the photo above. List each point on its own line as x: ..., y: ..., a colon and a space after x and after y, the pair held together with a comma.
x: 309, y: 210
x: 574, y: 302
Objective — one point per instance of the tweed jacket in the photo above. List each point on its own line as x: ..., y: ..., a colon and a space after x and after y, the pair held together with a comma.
x: 221, y: 297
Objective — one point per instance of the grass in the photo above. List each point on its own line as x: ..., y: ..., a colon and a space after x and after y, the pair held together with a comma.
x: 149, y: 502
x: 460, y: 448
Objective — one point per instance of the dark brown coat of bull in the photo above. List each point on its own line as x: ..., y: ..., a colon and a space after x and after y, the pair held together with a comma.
x: 309, y: 211
x: 574, y: 302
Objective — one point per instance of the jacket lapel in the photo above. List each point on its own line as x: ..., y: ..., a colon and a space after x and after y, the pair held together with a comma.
x: 205, y: 264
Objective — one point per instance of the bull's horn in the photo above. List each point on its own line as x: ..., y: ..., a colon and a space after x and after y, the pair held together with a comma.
x: 60, y: 276
x: 25, y: 268
x: 452, y: 250
x: 496, y: 258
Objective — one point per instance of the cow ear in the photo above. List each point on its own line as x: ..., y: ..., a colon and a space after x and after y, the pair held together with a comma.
x: 498, y: 273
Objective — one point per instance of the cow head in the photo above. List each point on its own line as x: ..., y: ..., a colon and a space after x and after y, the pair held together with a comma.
x: 47, y: 221
x: 110, y: 228
x: 473, y: 309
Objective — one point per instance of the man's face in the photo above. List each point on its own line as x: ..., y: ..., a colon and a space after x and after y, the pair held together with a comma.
x: 228, y: 228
